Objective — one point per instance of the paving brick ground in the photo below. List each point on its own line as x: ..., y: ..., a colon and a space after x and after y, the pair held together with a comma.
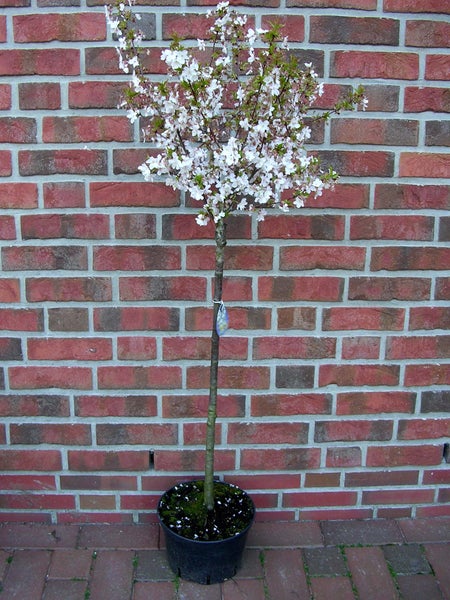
x: 405, y: 559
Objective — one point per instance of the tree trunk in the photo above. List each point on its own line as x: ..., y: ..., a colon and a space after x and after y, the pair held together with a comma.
x: 220, y: 237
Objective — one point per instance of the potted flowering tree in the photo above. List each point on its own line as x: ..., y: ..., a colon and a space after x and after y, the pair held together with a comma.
x: 230, y: 121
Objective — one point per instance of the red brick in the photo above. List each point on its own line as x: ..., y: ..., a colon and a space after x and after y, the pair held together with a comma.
x: 136, y: 319
x: 267, y: 433
x: 189, y: 26
x: 357, y: 375
x: 352, y: 30
x: 30, y: 460
x: 65, y: 226
x: 123, y: 378
x: 132, y: 194
x: 352, y: 431
x: 28, y: 482
x: 392, y: 196
x: 96, y: 94
x: 102, y: 460
x: 68, y: 319
x: 437, y: 67
x: 442, y: 288
x: 5, y: 96
x: 344, y: 195
x: 136, y: 258
x: 18, y: 195
x: 290, y: 404
x: 36, y: 96
x: 193, y: 348
x: 98, y: 482
x: 370, y: 573
x: 27, y: 573
x: 421, y: 99
x: 18, y: 258
x: 162, y: 288
x: 293, y: 347
x: 285, y: 573
x: 349, y: 456
x: 322, y: 480
x: 427, y: 374
x: 59, y: 27
x: 416, y: 429
x: 293, y: 289
x: 427, y: 34
x: 432, y: 6
x: 293, y: 26
x: 195, y: 433
x: 7, y: 228
x: 65, y: 194
x: 136, y: 348
x: 348, y: 318
x: 398, y: 456
x: 69, y: 349
x: 5, y: 163
x: 360, y: 4
x: 374, y: 65
x: 293, y: 258
x: 406, y: 258
x: 436, y: 477
x: 195, y: 406
x: 184, y: 227
x: 135, y: 226
x: 192, y: 460
x: 142, y: 434
x: 46, y: 433
x: 113, y: 574
x: 9, y: 290
x: 50, y: 377
x: 22, y: 319
x: 66, y: 130
x: 230, y: 377
x: 70, y: 162
x: 18, y: 130
x: 403, y: 496
x: 360, y: 403
x: 358, y: 347
x: 418, y: 347
x: 286, y: 459
x: 391, y: 227
x: 387, y: 132
x: 324, y: 588
x: 389, y: 288
x: 429, y: 317
x: 423, y: 164
x: 70, y: 289
x: 115, y: 406
x: 359, y: 164
x: 301, y: 499
x: 237, y: 257
x: 381, y: 478
x: 40, y: 61
x: 297, y: 317
x: 30, y: 405
x: 324, y: 227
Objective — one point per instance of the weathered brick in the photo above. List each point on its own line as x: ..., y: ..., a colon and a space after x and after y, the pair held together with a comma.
x: 410, y: 6
x: 374, y: 65
x: 437, y: 67
x: 290, y: 404
x: 125, y: 378
x: 293, y: 347
x: 68, y: 289
x: 40, y: 61
x: 409, y: 258
x: 348, y: 318
x: 48, y: 226
x: 136, y: 258
x: 360, y: 403
x: 132, y: 194
x: 397, y: 456
x: 19, y: 258
x: 36, y: 95
x: 267, y: 433
x: 142, y: 434
x: 71, y: 162
x: 18, y: 130
x: 75, y: 434
x: 65, y: 194
x: 354, y: 30
x: 418, y: 347
x: 29, y: 405
x: 386, y: 132
x: 422, y: 164
x: 50, y: 377
x: 356, y: 430
x: 59, y: 27
x: 321, y: 257
x: 73, y: 349
x: 421, y: 99
x: 293, y: 289
x: 391, y: 227
x: 115, y: 406
x: 356, y: 375
x: 67, y: 130
x: 427, y: 34
x: 437, y: 133
x: 136, y: 319
x: 286, y: 459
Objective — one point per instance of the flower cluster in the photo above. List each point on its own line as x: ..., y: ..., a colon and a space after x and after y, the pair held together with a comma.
x: 231, y: 119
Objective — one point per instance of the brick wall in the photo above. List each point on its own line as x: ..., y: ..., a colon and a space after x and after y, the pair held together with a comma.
x: 335, y: 375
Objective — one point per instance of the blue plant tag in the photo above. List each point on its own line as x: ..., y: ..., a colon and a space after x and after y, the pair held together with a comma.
x: 222, y: 320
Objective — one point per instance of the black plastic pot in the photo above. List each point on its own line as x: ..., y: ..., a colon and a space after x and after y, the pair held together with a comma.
x: 205, y: 562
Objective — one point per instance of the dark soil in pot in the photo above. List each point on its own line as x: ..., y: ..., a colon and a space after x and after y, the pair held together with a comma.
x: 205, y: 547
x: 181, y: 509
